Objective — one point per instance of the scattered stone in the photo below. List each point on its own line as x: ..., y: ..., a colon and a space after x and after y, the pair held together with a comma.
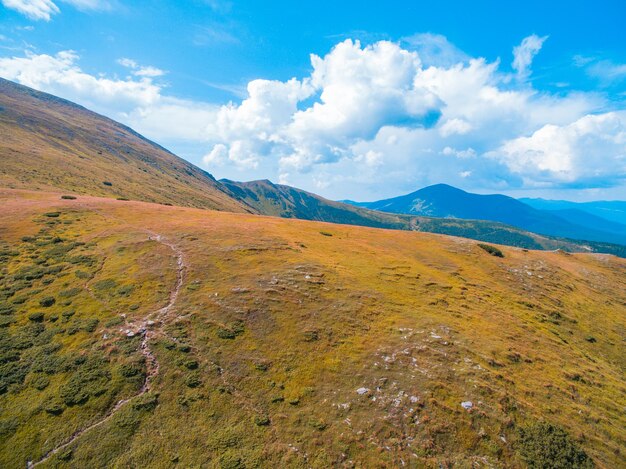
x: 467, y: 405
x: 362, y: 391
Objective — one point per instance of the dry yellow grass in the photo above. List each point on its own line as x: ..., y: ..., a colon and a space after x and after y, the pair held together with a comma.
x: 278, y: 324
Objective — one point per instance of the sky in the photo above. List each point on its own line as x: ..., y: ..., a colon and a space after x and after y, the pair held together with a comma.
x: 350, y: 100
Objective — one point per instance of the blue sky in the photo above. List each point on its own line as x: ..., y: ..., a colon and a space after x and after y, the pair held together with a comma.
x: 527, y: 99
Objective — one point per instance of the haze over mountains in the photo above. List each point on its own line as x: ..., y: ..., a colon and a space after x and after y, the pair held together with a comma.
x: 614, y: 210
x: 571, y: 221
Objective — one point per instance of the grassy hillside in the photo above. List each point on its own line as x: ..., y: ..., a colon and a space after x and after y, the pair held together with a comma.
x: 47, y: 142
x: 279, y: 200
x: 267, y: 198
x: 50, y: 143
x: 247, y: 341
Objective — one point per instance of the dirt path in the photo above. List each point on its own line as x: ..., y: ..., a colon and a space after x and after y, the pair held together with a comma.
x: 146, y: 329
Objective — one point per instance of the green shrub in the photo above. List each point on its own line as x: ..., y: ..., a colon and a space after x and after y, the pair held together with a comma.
x: 68, y: 197
x: 67, y: 315
x: 325, y: 233
x: 6, y: 309
x: 311, y: 336
x: 224, y: 333
x: 36, y: 317
x: 107, y: 183
x: 20, y: 300
x: 229, y: 460
x: 126, y: 290
x: 262, y: 420
x: 191, y: 364
x: 318, y: 424
x: 6, y: 321
x: 106, y: 284
x: 90, y: 325
x: 494, y: 251
x: 47, y: 301
x: 8, y: 426
x: 52, y: 214
x: 130, y: 370
x: 91, y: 379
x: 116, y: 321
x: 70, y: 292
x: 543, y: 445
x: 147, y: 401
x: 54, y: 406
x: 193, y: 380
x: 40, y: 382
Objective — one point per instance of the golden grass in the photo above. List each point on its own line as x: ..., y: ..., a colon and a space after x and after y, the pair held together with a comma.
x: 424, y: 322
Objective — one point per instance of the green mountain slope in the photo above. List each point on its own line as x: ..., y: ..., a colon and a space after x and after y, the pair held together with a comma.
x: 267, y: 198
x: 50, y: 143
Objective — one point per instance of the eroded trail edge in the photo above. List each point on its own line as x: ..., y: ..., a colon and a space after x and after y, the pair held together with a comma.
x: 151, y: 326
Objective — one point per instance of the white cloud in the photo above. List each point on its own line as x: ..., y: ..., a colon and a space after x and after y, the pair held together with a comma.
x: 44, y: 9
x: 364, y: 105
x: 137, y: 100
x: 454, y: 126
x: 89, y: 4
x: 607, y: 72
x: 435, y: 49
x: 33, y: 9
x: 524, y: 53
x: 590, y: 149
x: 140, y: 71
x: 365, y: 117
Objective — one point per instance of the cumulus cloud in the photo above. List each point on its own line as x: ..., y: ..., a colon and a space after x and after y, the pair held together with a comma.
x: 136, y: 100
x: 590, y: 150
x: 366, y: 117
x: 33, y: 9
x: 44, y: 9
x: 362, y: 105
x: 524, y: 54
x: 140, y: 71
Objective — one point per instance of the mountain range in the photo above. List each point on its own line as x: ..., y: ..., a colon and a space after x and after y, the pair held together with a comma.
x: 444, y: 201
x: 50, y: 143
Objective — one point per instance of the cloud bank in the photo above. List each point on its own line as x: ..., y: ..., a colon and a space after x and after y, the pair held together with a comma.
x: 369, y: 120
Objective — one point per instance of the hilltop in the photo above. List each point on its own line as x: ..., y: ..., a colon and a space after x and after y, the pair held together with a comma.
x: 50, y: 143
x: 242, y: 341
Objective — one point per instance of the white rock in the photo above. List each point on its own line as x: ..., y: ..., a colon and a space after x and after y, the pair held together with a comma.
x: 362, y: 391
x: 467, y: 405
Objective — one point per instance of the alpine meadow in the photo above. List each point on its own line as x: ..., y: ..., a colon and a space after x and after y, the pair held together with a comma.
x: 190, y: 276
